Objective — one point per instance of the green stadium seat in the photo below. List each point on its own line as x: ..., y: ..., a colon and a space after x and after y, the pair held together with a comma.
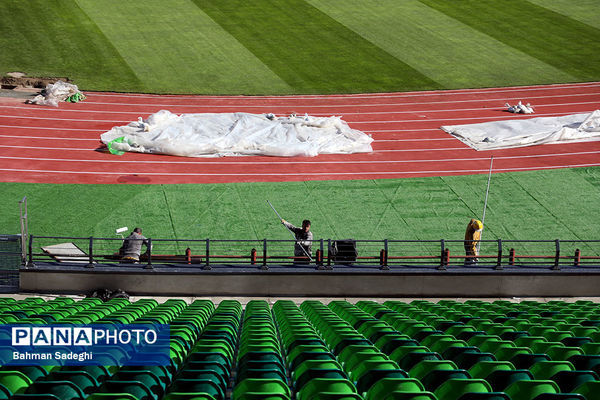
x: 14, y: 381
x: 424, y: 367
x: 112, y: 396
x: 261, y: 373
x: 563, y: 353
x: 33, y: 372
x: 454, y: 389
x: 267, y: 388
x: 64, y: 390
x: 568, y: 381
x: 81, y: 379
x: 501, y: 379
x: 525, y: 361
x: 590, y: 390
x: 485, y: 396
x: 436, y: 378
x: 531, y: 389
x: 483, y: 369
x: 31, y: 396
x: 310, y: 374
x: 5, y: 394
x: 386, y: 386
x: 585, y: 362
x: 319, y: 386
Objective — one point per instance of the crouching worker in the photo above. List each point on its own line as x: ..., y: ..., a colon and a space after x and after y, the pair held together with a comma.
x: 132, y: 246
x: 472, y: 237
x: 303, y: 245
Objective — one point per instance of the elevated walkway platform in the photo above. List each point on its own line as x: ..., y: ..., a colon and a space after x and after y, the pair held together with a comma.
x: 287, y: 281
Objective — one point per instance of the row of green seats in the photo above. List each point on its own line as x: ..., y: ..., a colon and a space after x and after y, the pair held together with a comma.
x: 485, y: 355
x: 373, y: 373
x: 314, y: 370
x: 206, y: 371
x: 261, y: 372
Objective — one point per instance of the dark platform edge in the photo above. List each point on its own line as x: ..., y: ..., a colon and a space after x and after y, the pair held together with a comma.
x: 341, y: 281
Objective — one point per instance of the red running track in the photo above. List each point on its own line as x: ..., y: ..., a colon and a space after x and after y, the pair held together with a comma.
x: 61, y: 145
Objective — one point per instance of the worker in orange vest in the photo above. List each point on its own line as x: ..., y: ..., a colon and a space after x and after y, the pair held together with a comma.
x: 472, y: 237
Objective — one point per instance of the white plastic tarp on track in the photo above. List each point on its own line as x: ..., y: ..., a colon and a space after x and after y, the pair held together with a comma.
x: 529, y: 132
x: 234, y: 134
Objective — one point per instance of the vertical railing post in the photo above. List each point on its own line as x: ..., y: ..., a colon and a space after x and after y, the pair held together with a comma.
x: 442, y: 255
x: 319, y: 255
x: 328, y: 253
x: 384, y: 258
x: 264, y: 263
x: 577, y: 259
x: 499, y: 261
x: 557, y: 255
x: 511, y: 256
x: 30, y: 264
x: 321, y: 248
x: 149, y: 252
x: 207, y: 264
x: 91, y: 253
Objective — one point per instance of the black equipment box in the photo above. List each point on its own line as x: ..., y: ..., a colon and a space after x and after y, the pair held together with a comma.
x: 343, y: 251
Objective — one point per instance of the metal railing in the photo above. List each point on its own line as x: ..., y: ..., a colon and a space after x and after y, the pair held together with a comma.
x: 325, y: 254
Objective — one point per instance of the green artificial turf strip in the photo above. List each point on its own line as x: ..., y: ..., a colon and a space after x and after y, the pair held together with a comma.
x: 541, y: 205
x: 55, y: 38
x: 567, y: 44
x: 446, y: 50
x: 312, y: 52
x: 585, y: 11
x: 174, y: 47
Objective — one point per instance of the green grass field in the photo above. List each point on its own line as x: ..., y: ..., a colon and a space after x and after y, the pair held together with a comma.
x: 526, y: 205
x: 300, y: 46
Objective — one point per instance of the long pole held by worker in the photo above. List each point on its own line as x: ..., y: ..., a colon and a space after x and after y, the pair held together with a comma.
x: 487, y: 191
x: 281, y: 219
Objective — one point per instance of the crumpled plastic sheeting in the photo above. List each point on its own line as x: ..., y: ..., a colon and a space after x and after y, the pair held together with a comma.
x: 236, y: 134
x: 55, y: 93
x: 528, y: 132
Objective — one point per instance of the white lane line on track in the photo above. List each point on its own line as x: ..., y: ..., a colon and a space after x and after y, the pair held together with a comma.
x: 103, y: 130
x: 294, y: 162
x: 466, y: 171
x: 98, y: 139
x: 50, y: 128
x: 493, y: 118
x: 508, y: 116
x: 451, y: 92
x: 269, y: 107
x: 498, y: 107
x: 94, y: 149
x: 47, y: 138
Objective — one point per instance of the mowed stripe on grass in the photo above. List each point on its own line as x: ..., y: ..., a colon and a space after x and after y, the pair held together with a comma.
x: 567, y: 44
x: 446, y: 50
x: 585, y: 11
x: 311, y: 51
x: 174, y: 47
x: 56, y: 38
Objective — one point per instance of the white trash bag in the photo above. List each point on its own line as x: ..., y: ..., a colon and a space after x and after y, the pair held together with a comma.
x: 55, y: 93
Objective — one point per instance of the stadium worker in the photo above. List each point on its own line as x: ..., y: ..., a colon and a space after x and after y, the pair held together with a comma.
x: 472, y: 237
x: 132, y: 246
x: 304, y: 237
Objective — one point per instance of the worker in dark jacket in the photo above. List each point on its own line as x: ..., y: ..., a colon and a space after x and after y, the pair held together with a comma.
x: 472, y: 237
x: 132, y: 246
x: 304, y: 238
